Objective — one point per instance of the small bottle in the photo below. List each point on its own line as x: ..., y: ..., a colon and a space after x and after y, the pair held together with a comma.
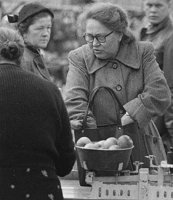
x: 170, y: 158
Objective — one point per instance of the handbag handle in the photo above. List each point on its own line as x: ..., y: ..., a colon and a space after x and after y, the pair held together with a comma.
x: 90, y: 103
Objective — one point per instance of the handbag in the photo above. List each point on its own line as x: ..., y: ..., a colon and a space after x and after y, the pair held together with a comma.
x: 103, y: 131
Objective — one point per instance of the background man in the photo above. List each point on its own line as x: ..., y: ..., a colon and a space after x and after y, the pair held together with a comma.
x: 159, y: 31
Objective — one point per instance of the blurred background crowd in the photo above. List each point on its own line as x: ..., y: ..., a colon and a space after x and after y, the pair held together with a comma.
x: 65, y: 33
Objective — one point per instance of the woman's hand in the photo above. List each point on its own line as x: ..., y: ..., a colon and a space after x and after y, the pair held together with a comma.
x: 126, y: 119
x: 76, y: 124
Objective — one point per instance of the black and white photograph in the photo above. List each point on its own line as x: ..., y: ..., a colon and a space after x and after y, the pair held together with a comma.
x: 86, y: 99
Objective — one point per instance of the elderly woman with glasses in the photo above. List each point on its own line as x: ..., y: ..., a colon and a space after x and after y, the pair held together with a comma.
x: 112, y: 58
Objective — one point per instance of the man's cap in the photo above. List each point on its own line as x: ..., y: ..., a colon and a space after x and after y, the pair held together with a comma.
x: 31, y: 9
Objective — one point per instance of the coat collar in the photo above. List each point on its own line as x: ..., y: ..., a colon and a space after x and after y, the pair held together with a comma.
x: 128, y: 55
x: 33, y: 49
x: 150, y: 28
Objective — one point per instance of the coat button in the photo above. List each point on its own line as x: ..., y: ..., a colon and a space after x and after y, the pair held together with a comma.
x: 118, y: 87
x: 115, y: 65
x: 154, y: 140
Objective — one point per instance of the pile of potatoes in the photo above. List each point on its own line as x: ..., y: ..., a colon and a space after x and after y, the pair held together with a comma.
x: 110, y: 143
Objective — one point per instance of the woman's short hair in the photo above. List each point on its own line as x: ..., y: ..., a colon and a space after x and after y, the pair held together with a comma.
x: 11, y: 44
x: 111, y: 16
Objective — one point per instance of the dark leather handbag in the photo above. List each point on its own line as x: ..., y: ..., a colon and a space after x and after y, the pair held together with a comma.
x: 105, y: 127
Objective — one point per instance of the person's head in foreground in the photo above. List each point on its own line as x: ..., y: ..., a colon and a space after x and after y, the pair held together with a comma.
x: 11, y: 46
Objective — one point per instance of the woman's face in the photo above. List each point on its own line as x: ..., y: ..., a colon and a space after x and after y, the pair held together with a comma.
x: 102, y: 50
x: 38, y: 33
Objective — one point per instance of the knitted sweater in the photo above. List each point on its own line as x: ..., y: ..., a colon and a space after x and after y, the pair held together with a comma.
x: 34, y: 125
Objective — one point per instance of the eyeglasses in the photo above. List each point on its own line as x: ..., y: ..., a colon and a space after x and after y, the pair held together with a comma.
x: 100, y: 38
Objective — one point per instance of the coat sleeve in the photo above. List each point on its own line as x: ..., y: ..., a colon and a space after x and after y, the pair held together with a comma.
x: 64, y: 142
x: 155, y: 97
x: 76, y: 93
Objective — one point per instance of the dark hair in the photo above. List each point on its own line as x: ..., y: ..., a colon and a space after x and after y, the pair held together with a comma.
x: 23, y: 26
x: 11, y: 44
x: 111, y: 16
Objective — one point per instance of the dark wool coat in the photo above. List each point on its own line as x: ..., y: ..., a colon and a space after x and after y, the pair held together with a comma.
x: 35, y: 136
x: 138, y: 82
x: 33, y: 62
